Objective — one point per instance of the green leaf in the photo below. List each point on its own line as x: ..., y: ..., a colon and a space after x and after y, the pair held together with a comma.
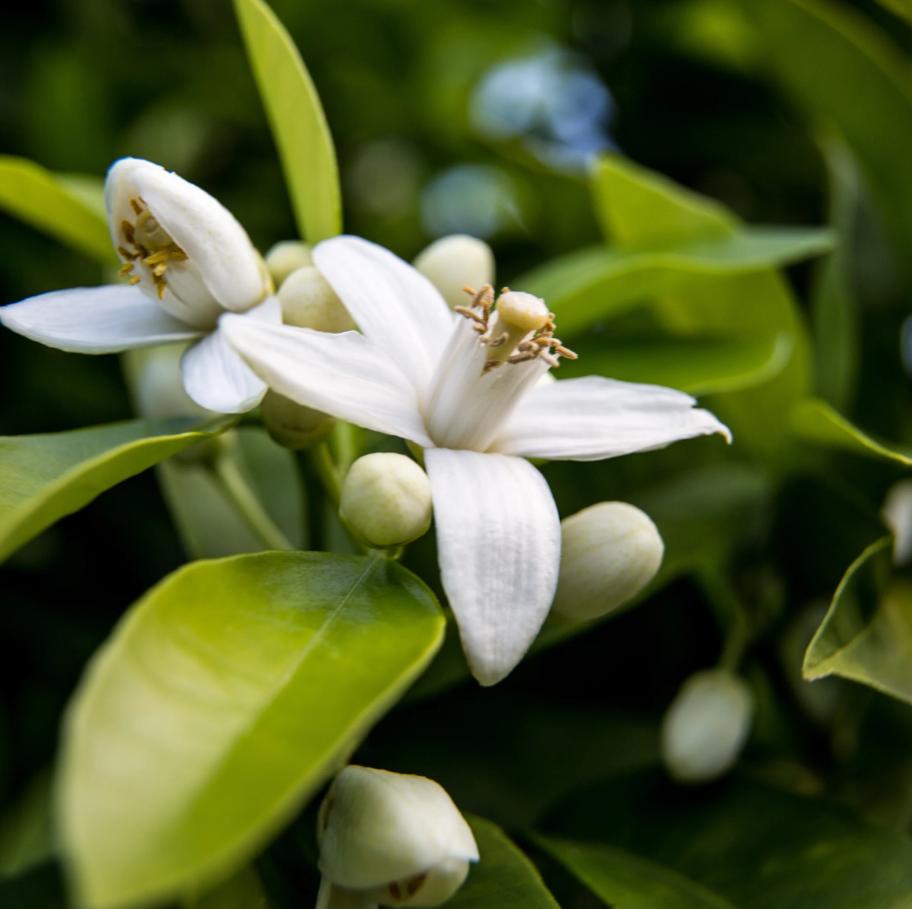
x: 866, y: 634
x: 751, y: 844
x: 625, y: 881
x: 900, y: 7
x: 44, y: 477
x: 241, y: 891
x: 839, y: 68
x: 817, y: 422
x: 504, y: 876
x: 834, y: 309
x: 223, y: 700
x: 26, y: 837
x: 54, y: 205
x: 298, y: 123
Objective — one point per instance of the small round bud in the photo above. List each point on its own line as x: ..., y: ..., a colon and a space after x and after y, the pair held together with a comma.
x: 286, y: 257
x: 386, y: 500
x: 522, y: 311
x: 455, y: 262
x: 609, y: 553
x: 309, y: 302
x: 706, y: 726
x: 897, y: 515
x: 393, y: 838
x: 293, y: 425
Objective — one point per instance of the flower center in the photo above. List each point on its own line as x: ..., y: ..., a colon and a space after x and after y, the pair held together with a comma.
x: 515, y: 329
x: 147, y: 244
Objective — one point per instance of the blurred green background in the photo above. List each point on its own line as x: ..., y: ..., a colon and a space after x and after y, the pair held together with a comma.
x: 459, y: 116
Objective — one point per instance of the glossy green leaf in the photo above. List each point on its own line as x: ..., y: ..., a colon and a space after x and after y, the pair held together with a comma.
x: 209, y: 522
x: 44, y: 477
x: 834, y: 309
x: 817, y: 422
x: 504, y: 876
x: 751, y: 844
x: 842, y: 70
x: 866, y: 634
x: 227, y: 695
x: 54, y: 205
x: 298, y: 123
x: 625, y: 881
x: 241, y: 891
x: 900, y: 7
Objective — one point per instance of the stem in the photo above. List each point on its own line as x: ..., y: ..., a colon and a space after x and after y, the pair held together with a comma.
x: 345, y: 446
x: 247, y: 504
x: 732, y: 617
x: 324, y: 467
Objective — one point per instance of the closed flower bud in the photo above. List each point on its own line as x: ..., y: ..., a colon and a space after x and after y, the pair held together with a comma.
x: 706, y: 726
x: 391, y: 839
x: 609, y: 552
x: 897, y: 515
x: 454, y: 262
x: 293, y: 425
x: 286, y: 257
x: 386, y: 500
x: 309, y: 302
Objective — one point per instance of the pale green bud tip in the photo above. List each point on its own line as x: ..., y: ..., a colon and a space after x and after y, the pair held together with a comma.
x: 392, y: 839
x: 308, y: 301
x: 609, y: 553
x: 453, y: 263
x: 286, y: 257
x: 293, y: 425
x: 706, y: 726
x: 386, y: 500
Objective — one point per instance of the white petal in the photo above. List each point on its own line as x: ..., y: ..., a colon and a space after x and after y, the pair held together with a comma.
x: 340, y: 374
x: 94, y: 320
x: 498, y: 541
x: 202, y: 227
x: 218, y: 379
x: 392, y: 303
x: 594, y: 418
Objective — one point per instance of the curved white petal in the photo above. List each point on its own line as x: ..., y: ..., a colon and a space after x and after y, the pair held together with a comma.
x: 341, y: 374
x: 498, y: 541
x: 593, y: 418
x: 218, y: 379
x: 202, y: 227
x: 94, y: 320
x: 392, y: 303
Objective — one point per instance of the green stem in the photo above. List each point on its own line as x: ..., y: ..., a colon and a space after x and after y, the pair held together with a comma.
x: 732, y: 617
x: 345, y: 446
x: 325, y: 469
x: 247, y: 504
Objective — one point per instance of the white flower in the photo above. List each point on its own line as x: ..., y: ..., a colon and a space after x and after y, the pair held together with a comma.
x: 390, y: 838
x: 186, y: 260
x: 465, y: 386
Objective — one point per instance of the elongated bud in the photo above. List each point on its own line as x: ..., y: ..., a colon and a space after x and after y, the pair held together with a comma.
x: 455, y: 262
x: 309, y: 302
x: 706, y: 726
x: 286, y: 257
x: 391, y: 839
x: 386, y: 500
x: 609, y: 552
x: 293, y: 425
x: 897, y: 515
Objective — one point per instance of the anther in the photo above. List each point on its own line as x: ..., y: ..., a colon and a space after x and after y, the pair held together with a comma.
x: 136, y: 205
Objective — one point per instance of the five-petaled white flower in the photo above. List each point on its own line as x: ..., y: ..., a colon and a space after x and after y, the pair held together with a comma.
x: 466, y: 386
x: 187, y: 260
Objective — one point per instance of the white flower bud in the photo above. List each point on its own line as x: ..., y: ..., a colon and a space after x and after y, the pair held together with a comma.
x: 293, y: 425
x: 309, y: 302
x: 706, y: 726
x: 391, y: 839
x: 454, y: 262
x: 609, y: 552
x: 286, y: 257
x: 386, y: 500
x: 897, y: 515
x: 154, y: 376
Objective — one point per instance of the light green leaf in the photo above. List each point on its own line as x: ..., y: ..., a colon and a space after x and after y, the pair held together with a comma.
x: 839, y: 68
x: 298, y: 123
x: 503, y: 878
x: 241, y: 891
x: 224, y: 699
x: 625, y: 881
x: 866, y: 634
x: 752, y: 844
x: 817, y: 422
x: 44, y: 477
x: 54, y: 205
